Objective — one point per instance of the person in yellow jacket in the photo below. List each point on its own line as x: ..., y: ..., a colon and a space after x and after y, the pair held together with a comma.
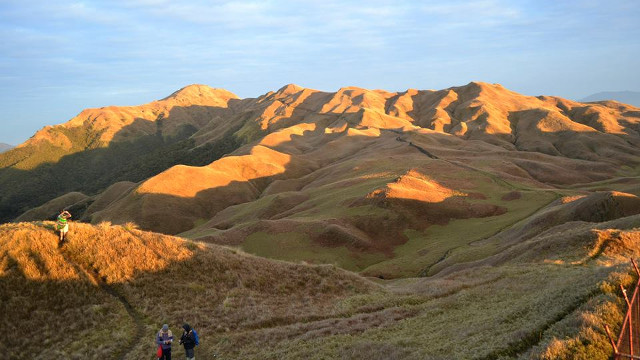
x: 62, y: 225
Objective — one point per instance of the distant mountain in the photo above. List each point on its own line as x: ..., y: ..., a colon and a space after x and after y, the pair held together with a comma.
x: 627, y: 97
x: 4, y: 147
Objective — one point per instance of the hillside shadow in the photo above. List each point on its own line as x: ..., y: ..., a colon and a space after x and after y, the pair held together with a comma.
x: 92, y: 169
x: 227, y: 291
x: 596, y: 145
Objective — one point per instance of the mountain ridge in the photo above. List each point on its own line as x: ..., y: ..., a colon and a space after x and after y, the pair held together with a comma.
x: 342, y: 173
x: 442, y: 213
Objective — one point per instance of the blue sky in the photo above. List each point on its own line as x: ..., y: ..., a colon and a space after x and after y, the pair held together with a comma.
x: 59, y: 57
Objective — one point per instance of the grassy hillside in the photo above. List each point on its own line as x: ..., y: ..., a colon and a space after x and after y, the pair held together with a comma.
x: 105, y: 145
x: 106, y: 292
x: 68, y: 302
x: 93, y: 169
x: 390, y: 183
x: 387, y: 183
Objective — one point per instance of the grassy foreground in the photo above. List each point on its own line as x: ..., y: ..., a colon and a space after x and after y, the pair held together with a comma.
x: 547, y: 298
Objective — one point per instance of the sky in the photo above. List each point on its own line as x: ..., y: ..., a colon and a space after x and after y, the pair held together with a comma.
x: 60, y: 57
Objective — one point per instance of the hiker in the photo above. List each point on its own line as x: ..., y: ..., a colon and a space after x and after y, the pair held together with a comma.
x: 189, y: 341
x: 62, y: 225
x: 164, y: 340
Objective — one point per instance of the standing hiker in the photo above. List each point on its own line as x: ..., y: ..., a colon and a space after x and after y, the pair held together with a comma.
x: 164, y: 340
x: 62, y: 225
x: 189, y: 341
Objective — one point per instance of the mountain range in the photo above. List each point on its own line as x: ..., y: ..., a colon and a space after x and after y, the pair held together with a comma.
x: 4, y: 147
x: 360, y: 177
x: 627, y: 97
x: 472, y: 217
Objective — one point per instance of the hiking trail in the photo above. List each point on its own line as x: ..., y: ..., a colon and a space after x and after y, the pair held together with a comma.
x: 94, y: 278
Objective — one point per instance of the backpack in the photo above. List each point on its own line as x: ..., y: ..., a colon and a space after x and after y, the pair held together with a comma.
x: 195, y: 337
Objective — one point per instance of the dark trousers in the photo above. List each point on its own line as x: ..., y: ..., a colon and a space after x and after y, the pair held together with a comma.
x: 166, y: 354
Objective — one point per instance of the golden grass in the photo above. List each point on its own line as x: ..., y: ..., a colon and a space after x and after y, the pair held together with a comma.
x: 166, y: 280
x: 48, y: 308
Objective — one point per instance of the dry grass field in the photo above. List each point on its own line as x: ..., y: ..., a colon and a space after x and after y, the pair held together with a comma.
x: 546, y: 297
x: 59, y: 298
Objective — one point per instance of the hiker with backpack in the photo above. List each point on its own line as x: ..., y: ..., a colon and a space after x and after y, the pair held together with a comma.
x: 62, y: 225
x: 189, y: 340
x: 164, y: 340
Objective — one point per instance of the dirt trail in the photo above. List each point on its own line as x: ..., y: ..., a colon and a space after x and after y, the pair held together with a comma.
x: 528, y: 341
x: 94, y: 278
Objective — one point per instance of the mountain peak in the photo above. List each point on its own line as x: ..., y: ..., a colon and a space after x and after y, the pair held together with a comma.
x: 289, y: 89
x: 480, y: 86
x: 197, y: 92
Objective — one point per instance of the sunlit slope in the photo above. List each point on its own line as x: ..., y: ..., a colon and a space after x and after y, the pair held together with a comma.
x: 360, y: 177
x: 45, y: 297
x: 105, y: 145
x: 81, y: 288
x: 354, y: 177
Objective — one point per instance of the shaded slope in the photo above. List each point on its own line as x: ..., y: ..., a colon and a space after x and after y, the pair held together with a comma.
x: 49, y: 292
x: 106, y: 145
x: 548, y: 233
x: 52, y: 208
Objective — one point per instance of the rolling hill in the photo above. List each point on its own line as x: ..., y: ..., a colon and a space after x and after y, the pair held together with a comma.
x: 100, y: 147
x: 545, y: 296
x: 387, y: 184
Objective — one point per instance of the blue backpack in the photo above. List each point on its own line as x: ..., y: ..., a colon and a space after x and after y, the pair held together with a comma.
x: 195, y: 336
